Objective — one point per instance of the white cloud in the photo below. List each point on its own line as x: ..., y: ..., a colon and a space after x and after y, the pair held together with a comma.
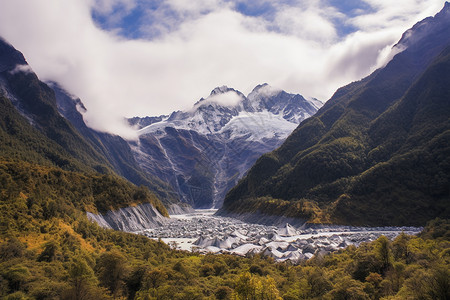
x: 21, y: 68
x: 230, y: 98
x: 399, y: 13
x: 211, y: 44
x: 305, y: 24
x: 193, y: 7
x: 268, y: 91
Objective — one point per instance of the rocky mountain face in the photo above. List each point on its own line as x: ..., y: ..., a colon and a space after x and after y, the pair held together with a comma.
x: 377, y: 153
x: 203, y: 152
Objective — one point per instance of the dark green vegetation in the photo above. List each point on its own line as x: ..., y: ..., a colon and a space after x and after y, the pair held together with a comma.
x: 38, y: 133
x: 36, y: 166
x: 377, y: 153
x: 49, y: 250
x: 49, y: 191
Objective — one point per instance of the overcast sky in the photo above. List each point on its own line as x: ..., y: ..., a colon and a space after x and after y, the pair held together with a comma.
x: 151, y: 57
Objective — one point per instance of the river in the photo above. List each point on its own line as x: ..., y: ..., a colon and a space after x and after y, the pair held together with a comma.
x: 204, y: 232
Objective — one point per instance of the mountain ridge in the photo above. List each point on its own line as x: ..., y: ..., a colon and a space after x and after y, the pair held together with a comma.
x: 312, y: 174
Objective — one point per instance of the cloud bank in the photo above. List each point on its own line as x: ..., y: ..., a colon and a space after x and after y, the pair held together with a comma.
x: 128, y: 58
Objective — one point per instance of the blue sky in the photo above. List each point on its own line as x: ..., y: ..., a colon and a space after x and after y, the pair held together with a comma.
x: 151, y: 57
x: 128, y: 20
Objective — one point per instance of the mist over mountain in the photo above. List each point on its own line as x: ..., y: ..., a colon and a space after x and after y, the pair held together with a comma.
x: 31, y: 101
x: 35, y: 136
x: 114, y: 148
x: 88, y: 215
x: 204, y: 151
x: 54, y: 113
x: 375, y: 154
x: 194, y: 156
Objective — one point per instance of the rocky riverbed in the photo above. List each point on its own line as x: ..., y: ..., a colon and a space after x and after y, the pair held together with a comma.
x: 203, y: 232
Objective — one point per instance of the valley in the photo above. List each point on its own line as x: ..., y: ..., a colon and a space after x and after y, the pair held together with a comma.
x: 267, y: 195
x: 203, y: 232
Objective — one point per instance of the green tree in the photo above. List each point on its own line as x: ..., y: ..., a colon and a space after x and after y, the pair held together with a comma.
x: 267, y: 289
x: 154, y: 279
x: 251, y: 287
x: 400, y: 247
x: 12, y: 248
x: 50, y: 252
x: 135, y: 280
x: 112, y: 270
x: 223, y: 293
x: 439, y: 283
x: 317, y: 282
x: 373, y: 285
x: 82, y: 281
x: 383, y: 252
x: 17, y: 296
x: 347, y: 289
x: 245, y: 287
x: 17, y: 276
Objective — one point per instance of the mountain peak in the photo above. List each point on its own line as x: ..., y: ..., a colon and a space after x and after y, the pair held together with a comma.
x: 437, y: 26
x: 263, y: 90
x: 220, y: 137
x: 217, y: 94
x: 221, y: 90
x: 222, y: 96
x: 259, y: 86
x: 10, y: 58
x: 445, y: 10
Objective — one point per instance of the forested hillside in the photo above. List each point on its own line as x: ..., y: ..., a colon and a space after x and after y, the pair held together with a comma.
x: 377, y: 153
x: 49, y: 250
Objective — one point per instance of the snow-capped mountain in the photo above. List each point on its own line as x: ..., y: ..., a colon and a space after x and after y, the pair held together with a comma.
x: 204, y: 151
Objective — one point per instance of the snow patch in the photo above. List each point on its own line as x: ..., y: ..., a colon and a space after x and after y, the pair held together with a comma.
x: 258, y: 126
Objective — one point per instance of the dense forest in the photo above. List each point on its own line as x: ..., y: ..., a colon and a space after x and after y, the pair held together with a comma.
x: 50, y: 250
